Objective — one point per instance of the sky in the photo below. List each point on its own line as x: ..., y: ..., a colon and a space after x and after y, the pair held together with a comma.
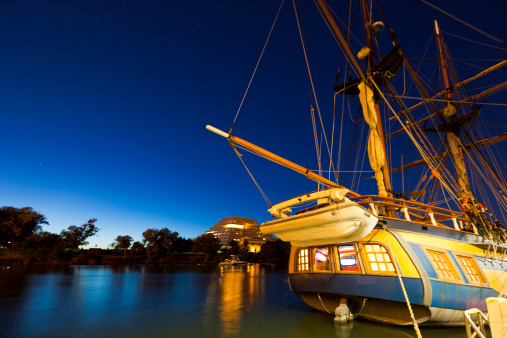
x: 104, y: 105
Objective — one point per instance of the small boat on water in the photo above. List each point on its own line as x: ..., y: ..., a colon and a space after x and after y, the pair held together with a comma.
x: 233, y: 262
x: 422, y: 257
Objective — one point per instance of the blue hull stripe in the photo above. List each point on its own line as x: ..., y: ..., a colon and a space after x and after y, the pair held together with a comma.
x: 369, y: 286
x: 460, y: 297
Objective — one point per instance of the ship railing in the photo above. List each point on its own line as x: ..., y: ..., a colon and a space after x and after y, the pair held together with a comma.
x: 407, y: 210
x: 471, y: 325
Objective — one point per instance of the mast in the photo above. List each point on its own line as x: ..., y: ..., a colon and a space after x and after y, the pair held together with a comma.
x: 453, y: 135
x: 278, y: 159
x: 376, y: 148
x: 371, y: 64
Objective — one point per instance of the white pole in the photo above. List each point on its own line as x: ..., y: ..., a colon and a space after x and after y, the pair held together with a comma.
x: 217, y: 131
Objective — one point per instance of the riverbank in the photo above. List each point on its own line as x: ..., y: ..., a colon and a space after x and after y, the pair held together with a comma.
x: 111, y: 257
x: 97, y: 259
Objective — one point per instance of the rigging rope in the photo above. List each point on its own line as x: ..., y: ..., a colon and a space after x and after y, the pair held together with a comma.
x: 349, y: 34
x: 256, y: 66
x: 418, y: 145
x: 453, y: 101
x: 266, y: 199
x: 466, y: 24
x: 311, y: 81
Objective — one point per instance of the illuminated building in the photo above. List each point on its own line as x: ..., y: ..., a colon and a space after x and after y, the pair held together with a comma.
x: 240, y: 229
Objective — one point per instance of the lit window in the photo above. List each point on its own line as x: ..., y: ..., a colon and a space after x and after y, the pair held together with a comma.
x: 348, y: 258
x: 302, y: 260
x: 442, y: 264
x: 378, y: 259
x: 471, y: 269
x: 321, y: 259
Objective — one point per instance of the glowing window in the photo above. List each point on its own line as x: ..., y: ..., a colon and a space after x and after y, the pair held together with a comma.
x: 442, y: 264
x: 302, y: 260
x: 378, y: 259
x: 348, y: 258
x: 471, y: 269
x: 321, y: 259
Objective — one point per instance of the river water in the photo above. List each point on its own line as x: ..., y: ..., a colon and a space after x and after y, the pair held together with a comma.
x: 168, y: 301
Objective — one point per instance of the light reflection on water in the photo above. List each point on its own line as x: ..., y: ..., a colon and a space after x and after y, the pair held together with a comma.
x: 167, y: 300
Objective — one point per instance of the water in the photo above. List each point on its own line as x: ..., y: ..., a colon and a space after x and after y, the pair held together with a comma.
x: 168, y: 301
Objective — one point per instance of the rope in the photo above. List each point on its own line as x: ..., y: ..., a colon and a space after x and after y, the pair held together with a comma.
x: 311, y: 81
x: 316, y: 137
x: 257, y: 65
x: 362, y: 307
x: 466, y: 24
x: 419, y: 146
x: 416, y: 327
x: 452, y: 101
x: 322, y: 303
x: 256, y: 184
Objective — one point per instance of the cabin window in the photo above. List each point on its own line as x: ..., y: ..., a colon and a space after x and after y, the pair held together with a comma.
x: 321, y: 259
x: 471, y: 269
x: 442, y: 264
x: 378, y: 259
x: 347, y: 257
x: 302, y: 260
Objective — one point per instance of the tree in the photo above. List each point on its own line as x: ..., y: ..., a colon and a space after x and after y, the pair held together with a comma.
x: 182, y: 245
x: 207, y: 243
x: 245, y: 247
x: 75, y: 236
x: 138, y: 248
x: 159, y: 242
x: 16, y: 225
x: 234, y: 248
x: 276, y: 252
x: 167, y: 239
x: 122, y: 243
x: 44, y: 240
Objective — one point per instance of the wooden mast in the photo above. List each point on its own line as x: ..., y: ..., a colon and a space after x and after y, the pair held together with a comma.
x: 280, y: 160
x: 456, y: 86
x: 453, y: 136
x: 350, y: 56
x: 371, y: 64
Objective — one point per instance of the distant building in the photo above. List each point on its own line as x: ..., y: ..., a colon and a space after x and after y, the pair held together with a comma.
x: 240, y: 229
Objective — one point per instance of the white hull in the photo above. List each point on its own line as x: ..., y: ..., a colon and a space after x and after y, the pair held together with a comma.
x: 336, y: 223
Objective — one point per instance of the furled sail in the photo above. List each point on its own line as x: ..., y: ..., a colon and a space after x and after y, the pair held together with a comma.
x: 375, y: 151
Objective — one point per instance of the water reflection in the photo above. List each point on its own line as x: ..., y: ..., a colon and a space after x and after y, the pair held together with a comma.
x: 237, y: 289
x: 167, y: 300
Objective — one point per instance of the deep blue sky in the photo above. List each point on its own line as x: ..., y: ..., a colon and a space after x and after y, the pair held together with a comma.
x: 104, y: 105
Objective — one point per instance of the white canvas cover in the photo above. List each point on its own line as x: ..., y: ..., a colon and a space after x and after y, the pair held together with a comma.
x: 375, y: 151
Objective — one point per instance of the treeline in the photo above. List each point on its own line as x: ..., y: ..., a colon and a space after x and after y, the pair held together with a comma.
x: 22, y: 237
x: 21, y: 229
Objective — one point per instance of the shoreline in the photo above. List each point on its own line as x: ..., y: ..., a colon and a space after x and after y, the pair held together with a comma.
x: 88, y: 259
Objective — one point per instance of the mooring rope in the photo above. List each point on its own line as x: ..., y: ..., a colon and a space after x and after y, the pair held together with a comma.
x: 416, y: 327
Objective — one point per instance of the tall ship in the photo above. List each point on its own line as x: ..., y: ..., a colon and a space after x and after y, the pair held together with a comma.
x: 430, y: 241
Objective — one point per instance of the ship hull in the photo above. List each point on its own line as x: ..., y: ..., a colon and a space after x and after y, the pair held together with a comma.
x: 435, y: 297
